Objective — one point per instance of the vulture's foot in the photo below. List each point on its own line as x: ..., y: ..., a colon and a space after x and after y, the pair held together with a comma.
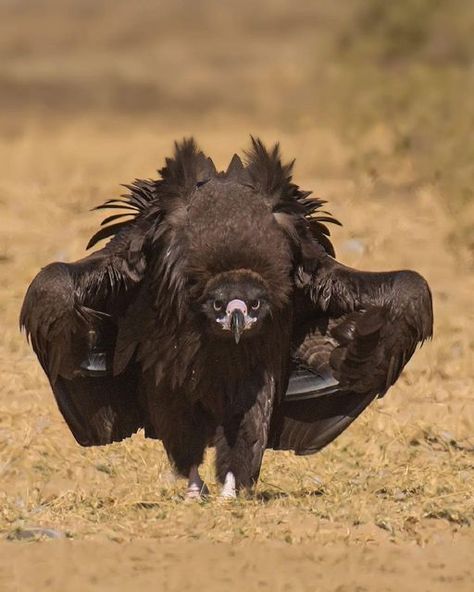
x: 197, y: 489
x: 229, y: 489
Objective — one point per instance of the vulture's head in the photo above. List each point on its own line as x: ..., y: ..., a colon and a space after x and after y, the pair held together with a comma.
x: 236, y: 304
x: 225, y: 247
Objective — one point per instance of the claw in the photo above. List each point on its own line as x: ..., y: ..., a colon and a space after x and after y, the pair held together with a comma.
x: 197, y: 489
x: 196, y: 493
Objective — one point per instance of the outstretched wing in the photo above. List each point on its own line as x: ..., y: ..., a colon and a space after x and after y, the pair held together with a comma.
x: 69, y: 314
x: 355, y: 331
x: 75, y: 314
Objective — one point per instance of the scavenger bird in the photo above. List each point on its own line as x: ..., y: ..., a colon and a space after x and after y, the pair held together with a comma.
x: 218, y: 315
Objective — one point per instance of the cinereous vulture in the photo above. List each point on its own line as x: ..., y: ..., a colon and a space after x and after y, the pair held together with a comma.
x: 217, y: 315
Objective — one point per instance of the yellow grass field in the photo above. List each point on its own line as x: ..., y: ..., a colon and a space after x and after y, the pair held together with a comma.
x: 93, y: 95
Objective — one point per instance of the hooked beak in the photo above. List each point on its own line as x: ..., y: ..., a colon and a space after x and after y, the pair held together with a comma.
x: 237, y: 318
x: 237, y: 323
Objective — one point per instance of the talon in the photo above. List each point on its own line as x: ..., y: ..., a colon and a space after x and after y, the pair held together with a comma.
x: 197, y: 489
x: 193, y: 493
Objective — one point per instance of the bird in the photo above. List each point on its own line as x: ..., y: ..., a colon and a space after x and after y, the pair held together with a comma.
x: 217, y: 315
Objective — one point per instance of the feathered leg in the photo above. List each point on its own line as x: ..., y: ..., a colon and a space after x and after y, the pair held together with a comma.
x: 185, y: 430
x: 241, y: 441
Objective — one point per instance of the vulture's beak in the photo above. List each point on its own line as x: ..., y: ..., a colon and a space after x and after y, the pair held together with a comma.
x: 237, y: 323
x: 237, y: 318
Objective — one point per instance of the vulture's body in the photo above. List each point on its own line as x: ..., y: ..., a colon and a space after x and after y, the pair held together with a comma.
x: 218, y: 315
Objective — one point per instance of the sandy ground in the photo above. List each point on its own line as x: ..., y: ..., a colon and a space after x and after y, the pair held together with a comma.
x: 76, y: 566
x: 389, y: 505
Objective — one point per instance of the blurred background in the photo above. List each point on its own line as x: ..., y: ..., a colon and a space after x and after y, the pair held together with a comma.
x: 385, y: 88
x: 375, y: 100
x: 393, y: 80
x: 355, y: 67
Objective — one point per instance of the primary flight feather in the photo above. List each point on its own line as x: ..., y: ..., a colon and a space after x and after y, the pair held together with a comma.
x: 217, y: 315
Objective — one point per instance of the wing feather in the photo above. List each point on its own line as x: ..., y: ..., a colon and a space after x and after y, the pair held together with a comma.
x: 355, y: 333
x: 69, y: 314
x: 384, y: 316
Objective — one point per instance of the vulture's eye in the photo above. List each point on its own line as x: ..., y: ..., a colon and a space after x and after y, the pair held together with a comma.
x: 254, y: 304
x: 218, y: 305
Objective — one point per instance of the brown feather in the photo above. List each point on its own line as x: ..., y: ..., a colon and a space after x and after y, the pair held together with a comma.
x: 137, y: 306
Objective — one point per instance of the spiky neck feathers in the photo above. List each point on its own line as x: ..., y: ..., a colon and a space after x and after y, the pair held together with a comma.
x: 264, y: 173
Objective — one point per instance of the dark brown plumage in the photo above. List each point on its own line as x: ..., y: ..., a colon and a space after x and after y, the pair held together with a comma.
x: 215, y: 289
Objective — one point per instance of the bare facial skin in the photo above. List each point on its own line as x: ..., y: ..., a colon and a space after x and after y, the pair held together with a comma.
x: 237, y: 318
x: 236, y: 306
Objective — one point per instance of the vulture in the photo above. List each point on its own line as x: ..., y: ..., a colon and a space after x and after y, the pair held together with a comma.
x: 217, y: 315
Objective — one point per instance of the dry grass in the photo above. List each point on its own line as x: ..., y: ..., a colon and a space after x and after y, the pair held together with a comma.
x: 403, y: 474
